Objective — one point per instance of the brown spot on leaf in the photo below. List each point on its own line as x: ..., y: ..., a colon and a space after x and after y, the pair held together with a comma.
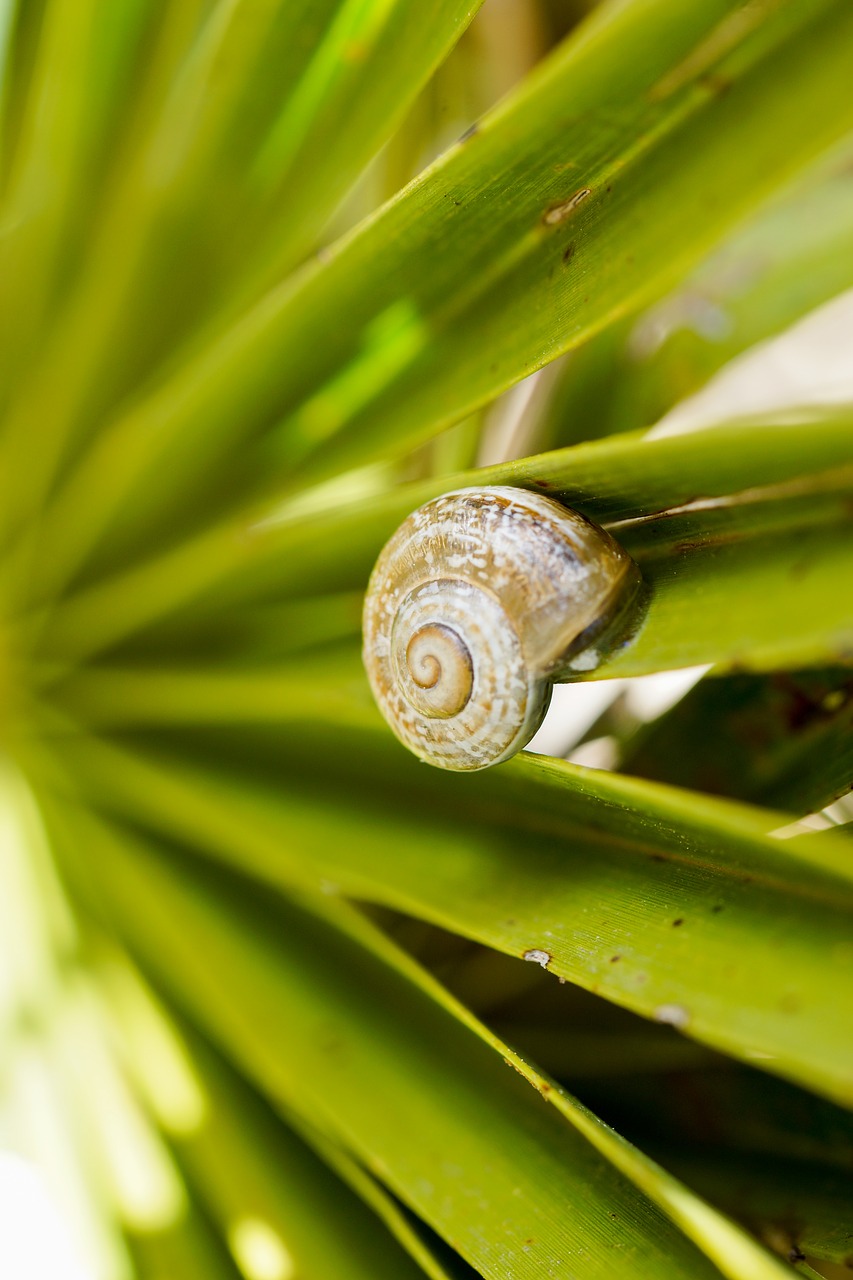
x: 715, y: 83
x: 557, y: 213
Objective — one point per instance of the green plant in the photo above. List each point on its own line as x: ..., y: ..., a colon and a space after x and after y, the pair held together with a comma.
x: 208, y: 432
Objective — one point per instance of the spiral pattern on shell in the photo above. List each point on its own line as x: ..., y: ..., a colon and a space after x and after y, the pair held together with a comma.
x: 475, y: 606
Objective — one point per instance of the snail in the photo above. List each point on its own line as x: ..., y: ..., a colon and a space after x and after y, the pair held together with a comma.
x: 480, y: 601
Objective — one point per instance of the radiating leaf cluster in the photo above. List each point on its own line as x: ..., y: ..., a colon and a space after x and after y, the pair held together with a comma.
x: 262, y: 1001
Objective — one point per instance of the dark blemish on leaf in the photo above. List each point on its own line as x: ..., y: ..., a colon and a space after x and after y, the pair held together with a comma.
x: 656, y: 857
x: 676, y: 924
x: 568, y: 253
x: 800, y: 709
x: 708, y: 542
x: 558, y: 213
x: 470, y: 132
x: 717, y: 909
x: 615, y: 959
x: 715, y: 83
x: 609, y: 189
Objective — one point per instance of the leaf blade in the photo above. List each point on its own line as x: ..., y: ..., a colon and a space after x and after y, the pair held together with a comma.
x: 388, y: 276
x: 541, y: 856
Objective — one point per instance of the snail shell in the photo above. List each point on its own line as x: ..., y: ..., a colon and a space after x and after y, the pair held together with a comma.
x: 477, y: 604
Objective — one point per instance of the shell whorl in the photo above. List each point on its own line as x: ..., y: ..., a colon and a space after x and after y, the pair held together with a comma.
x: 476, y: 605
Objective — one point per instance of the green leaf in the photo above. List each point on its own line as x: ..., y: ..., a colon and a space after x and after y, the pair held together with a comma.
x: 202, y: 435
x: 775, y: 1157
x: 784, y: 740
x: 789, y: 259
x: 374, y: 57
x: 214, y: 169
x: 715, y: 927
x: 751, y: 591
x: 630, y: 111
x: 795, y: 1208
x: 187, y: 1249
x: 258, y: 1181
x: 748, y: 1112
x: 511, y: 1152
x: 721, y: 573
x: 67, y: 120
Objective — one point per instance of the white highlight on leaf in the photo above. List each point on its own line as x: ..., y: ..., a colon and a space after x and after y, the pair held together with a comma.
x: 156, y: 1056
x: 672, y: 1015
x: 259, y: 1251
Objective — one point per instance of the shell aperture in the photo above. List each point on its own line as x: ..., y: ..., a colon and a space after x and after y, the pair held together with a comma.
x: 474, y: 608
